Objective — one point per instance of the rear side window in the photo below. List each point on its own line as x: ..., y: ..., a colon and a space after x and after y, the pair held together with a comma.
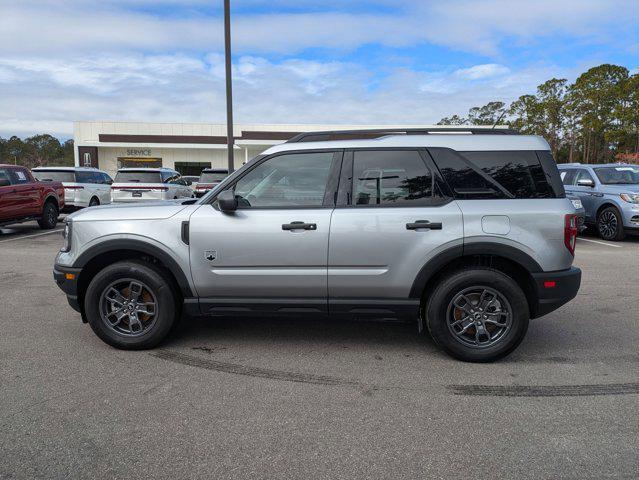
x: 390, y: 177
x: 4, y: 177
x: 496, y: 174
x: 66, y: 176
x: 85, y: 177
x: 519, y: 172
x: 138, y: 177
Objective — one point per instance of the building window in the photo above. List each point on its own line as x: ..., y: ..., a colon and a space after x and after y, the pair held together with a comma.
x: 191, y: 168
x: 130, y: 162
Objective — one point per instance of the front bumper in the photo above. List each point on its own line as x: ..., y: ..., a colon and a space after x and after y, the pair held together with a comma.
x: 554, y: 289
x: 67, y: 279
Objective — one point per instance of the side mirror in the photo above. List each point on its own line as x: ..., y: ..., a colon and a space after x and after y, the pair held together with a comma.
x: 586, y: 182
x: 227, y: 201
x: 4, y: 182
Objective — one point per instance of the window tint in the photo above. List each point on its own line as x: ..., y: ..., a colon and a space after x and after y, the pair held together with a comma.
x: 106, y: 179
x: 19, y: 176
x: 567, y: 176
x: 85, y: 177
x: 388, y: 177
x: 519, y: 172
x: 296, y: 180
x: 54, y: 175
x: 138, y: 177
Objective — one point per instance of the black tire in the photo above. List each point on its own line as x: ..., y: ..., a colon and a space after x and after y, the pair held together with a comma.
x: 159, y: 286
x: 49, y: 217
x: 610, y: 224
x: 438, y: 315
x: 94, y: 202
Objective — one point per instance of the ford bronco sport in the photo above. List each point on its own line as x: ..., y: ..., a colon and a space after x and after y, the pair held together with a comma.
x: 467, y: 232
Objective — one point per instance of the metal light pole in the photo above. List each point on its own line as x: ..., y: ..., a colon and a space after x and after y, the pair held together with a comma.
x: 229, y: 82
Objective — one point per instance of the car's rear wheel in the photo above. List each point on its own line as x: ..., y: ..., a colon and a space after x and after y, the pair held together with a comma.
x: 610, y: 224
x: 49, y: 217
x: 477, y: 314
x: 131, y: 305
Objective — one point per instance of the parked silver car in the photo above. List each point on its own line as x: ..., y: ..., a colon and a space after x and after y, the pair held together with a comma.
x: 467, y: 234
x: 83, y: 186
x: 609, y: 194
x: 140, y: 184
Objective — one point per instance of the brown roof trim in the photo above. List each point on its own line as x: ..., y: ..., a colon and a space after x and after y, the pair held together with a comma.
x: 201, y: 139
x: 260, y: 135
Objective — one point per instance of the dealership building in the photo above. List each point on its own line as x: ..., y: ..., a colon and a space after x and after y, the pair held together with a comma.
x: 186, y: 147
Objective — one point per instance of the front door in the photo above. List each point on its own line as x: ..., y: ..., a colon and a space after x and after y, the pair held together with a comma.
x: 271, y: 253
x: 390, y: 220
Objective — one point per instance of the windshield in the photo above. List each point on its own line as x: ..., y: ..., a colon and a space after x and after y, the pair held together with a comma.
x: 212, y: 177
x: 622, y: 175
x: 54, y: 175
x: 138, y: 177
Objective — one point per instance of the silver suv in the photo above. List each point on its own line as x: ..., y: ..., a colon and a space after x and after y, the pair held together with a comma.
x: 468, y: 233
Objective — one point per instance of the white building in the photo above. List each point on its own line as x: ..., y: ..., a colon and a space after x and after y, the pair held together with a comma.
x: 186, y: 147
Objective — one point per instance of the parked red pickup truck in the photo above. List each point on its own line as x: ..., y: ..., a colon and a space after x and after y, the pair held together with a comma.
x: 23, y: 198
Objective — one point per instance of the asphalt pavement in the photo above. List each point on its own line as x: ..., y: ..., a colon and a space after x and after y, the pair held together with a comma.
x: 309, y: 399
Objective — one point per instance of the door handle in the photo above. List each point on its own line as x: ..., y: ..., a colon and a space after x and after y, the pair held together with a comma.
x: 299, y: 226
x: 423, y: 224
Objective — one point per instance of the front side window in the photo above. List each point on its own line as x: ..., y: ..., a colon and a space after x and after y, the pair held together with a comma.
x: 390, y: 177
x: 289, y: 180
x: 622, y: 175
x: 582, y: 174
x: 19, y: 176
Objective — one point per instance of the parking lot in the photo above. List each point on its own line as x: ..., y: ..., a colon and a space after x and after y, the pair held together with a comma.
x: 256, y: 398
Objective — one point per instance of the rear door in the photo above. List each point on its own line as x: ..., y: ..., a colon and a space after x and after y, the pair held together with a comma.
x: 391, y: 218
x: 271, y: 253
x: 588, y: 195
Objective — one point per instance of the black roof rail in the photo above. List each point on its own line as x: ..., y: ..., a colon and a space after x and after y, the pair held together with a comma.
x: 332, y: 135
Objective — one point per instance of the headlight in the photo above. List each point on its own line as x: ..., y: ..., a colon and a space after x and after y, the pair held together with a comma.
x: 630, y: 197
x: 66, y: 234
x: 577, y: 204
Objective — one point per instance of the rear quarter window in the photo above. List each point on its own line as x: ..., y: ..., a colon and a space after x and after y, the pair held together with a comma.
x: 498, y: 174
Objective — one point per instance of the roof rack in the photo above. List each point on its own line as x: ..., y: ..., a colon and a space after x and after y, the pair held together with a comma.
x: 332, y: 135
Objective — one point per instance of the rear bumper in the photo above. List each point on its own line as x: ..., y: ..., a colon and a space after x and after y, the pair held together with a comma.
x: 67, y: 279
x: 554, y: 289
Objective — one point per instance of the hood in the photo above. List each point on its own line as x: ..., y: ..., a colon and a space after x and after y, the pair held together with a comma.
x: 626, y: 188
x: 132, y: 211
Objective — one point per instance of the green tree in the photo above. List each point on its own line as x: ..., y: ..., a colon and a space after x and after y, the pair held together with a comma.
x: 492, y: 113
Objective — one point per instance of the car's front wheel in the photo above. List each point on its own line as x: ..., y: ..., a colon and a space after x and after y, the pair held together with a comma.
x: 477, y: 314
x: 610, y: 224
x: 131, y: 305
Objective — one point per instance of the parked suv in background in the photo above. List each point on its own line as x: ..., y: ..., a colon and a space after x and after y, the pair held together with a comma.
x: 138, y: 184
x: 210, y: 178
x: 23, y: 198
x: 469, y: 234
x: 609, y: 194
x: 83, y: 186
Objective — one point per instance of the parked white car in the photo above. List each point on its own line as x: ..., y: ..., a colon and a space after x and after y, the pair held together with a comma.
x: 140, y: 184
x: 83, y: 186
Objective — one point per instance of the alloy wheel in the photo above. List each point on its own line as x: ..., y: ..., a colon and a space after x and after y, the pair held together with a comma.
x: 479, y: 317
x: 129, y: 307
x: 608, y: 224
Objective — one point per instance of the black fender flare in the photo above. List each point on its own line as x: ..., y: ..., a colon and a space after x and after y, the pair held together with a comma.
x: 138, y: 245
x: 435, y: 264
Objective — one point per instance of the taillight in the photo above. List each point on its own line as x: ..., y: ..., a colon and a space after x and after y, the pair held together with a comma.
x: 570, y: 232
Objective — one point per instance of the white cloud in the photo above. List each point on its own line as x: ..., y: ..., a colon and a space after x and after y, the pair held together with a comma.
x: 479, y: 72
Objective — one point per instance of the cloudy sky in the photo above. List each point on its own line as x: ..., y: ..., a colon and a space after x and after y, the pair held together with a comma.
x: 295, y: 61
